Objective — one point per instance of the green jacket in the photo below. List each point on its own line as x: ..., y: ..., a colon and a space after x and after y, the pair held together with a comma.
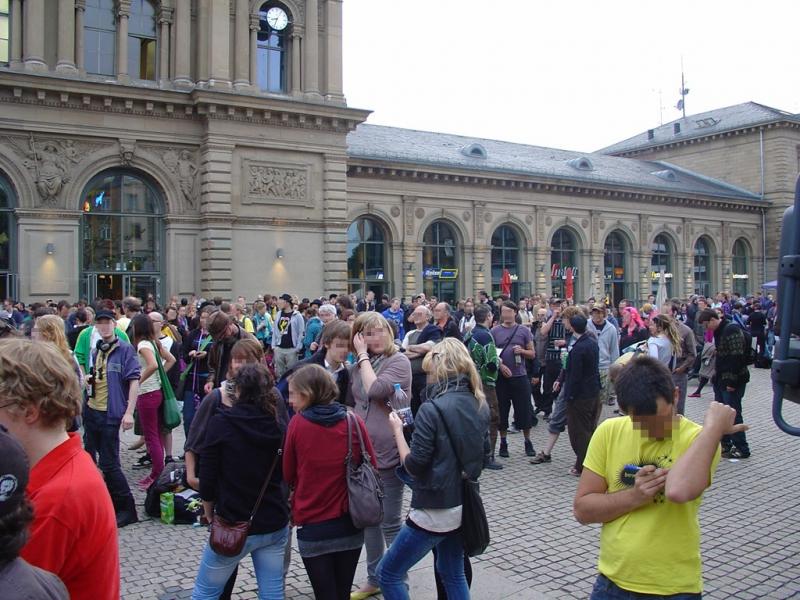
x: 83, y: 349
x: 483, y: 351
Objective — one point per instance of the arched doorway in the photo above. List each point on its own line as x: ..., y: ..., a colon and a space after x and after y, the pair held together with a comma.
x: 8, y: 241
x: 661, y: 259
x: 440, y: 261
x: 563, y: 256
x: 615, y: 272
x: 702, y: 267
x: 505, y: 255
x: 123, y: 237
x: 741, y: 267
x: 366, y: 257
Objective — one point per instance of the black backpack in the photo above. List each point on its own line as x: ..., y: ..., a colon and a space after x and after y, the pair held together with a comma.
x: 171, y: 479
x: 750, y: 353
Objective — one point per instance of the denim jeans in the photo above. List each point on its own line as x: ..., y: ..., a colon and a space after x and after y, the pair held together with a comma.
x: 190, y: 406
x: 734, y: 400
x: 267, y: 551
x: 101, y: 439
x: 605, y: 589
x: 377, y: 539
x: 409, y: 547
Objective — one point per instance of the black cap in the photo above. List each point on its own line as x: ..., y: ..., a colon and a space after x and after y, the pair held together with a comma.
x: 286, y: 297
x: 14, y: 471
x: 316, y: 301
x: 105, y: 314
x: 578, y: 323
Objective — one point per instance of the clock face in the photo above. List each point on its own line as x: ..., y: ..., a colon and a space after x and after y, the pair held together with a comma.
x: 277, y: 18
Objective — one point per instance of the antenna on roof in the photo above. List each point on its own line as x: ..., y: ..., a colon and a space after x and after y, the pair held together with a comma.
x: 684, y: 91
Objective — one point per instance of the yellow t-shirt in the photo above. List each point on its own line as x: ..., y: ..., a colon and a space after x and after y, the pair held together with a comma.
x: 99, y: 401
x: 656, y: 548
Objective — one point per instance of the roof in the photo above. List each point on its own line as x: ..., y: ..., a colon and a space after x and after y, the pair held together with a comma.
x: 711, y: 122
x: 415, y: 148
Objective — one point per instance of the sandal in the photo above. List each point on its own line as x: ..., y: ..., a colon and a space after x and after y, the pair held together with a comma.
x: 574, y: 472
x: 541, y: 458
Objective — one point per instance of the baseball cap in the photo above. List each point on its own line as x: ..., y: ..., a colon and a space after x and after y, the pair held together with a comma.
x: 105, y: 314
x: 14, y: 471
x: 599, y: 308
x: 316, y: 301
x: 286, y: 297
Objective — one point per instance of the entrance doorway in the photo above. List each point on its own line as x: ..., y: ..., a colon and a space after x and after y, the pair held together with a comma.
x: 116, y: 286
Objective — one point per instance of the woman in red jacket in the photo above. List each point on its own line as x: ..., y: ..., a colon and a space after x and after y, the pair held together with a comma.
x: 314, y: 467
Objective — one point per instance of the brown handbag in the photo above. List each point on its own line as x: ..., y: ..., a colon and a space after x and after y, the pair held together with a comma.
x: 227, y: 538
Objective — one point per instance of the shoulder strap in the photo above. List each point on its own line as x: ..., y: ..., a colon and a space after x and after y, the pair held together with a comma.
x: 364, y: 454
x: 449, y: 437
x: 510, y: 339
x: 266, y: 481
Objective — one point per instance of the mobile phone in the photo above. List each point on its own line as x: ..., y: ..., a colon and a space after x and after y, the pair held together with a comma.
x: 406, y: 415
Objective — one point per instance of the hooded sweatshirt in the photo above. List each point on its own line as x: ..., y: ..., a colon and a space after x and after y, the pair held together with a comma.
x: 241, y: 445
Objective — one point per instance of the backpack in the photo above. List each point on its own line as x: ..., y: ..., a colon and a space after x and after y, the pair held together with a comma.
x: 171, y: 480
x: 750, y: 353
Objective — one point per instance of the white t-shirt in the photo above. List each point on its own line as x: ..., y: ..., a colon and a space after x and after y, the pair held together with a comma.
x: 152, y: 383
x: 437, y: 520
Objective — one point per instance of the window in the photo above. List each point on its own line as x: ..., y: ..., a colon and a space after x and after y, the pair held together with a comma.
x: 741, y: 267
x: 440, y: 262
x: 271, y: 54
x: 5, y: 22
x: 122, y: 235
x: 99, y: 37
x: 614, y: 272
x: 563, y: 258
x: 662, y: 258
x: 7, y: 239
x: 702, y: 268
x: 505, y: 255
x: 142, y: 40
x: 366, y: 257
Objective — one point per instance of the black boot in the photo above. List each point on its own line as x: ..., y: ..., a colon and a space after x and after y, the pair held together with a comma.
x: 125, y: 509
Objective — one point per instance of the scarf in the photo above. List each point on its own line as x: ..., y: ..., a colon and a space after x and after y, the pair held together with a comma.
x: 459, y: 383
x: 326, y: 415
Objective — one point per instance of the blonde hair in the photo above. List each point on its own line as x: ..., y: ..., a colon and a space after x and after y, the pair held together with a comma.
x: 374, y: 320
x: 450, y: 358
x: 669, y: 326
x: 36, y: 374
x: 51, y: 328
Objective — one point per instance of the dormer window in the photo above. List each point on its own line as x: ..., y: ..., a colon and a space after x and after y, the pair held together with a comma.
x: 666, y: 175
x: 474, y: 151
x: 581, y: 163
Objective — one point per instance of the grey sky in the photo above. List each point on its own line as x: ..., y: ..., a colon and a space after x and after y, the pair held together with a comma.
x: 574, y: 74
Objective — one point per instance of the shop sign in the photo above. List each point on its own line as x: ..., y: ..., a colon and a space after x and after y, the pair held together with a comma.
x: 655, y: 274
x: 440, y: 274
x: 741, y: 276
x: 559, y: 272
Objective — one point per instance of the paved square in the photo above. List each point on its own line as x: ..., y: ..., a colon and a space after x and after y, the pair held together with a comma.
x: 750, y: 527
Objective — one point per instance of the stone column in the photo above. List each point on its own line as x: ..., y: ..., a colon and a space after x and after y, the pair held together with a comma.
x: 15, y: 56
x: 481, y: 269
x: 122, y: 41
x: 311, y: 54
x: 334, y: 91
x: 202, y: 41
x: 216, y: 251
x: 255, y: 25
x: 412, y: 264
x: 595, y: 278
x: 334, y: 194
x: 66, y: 37
x: 297, y: 36
x: 218, y: 48
x: 687, y: 262
x: 80, y: 11
x: 164, y: 20
x: 242, y: 54
x: 183, y: 42
x: 33, y: 38
x: 542, y: 283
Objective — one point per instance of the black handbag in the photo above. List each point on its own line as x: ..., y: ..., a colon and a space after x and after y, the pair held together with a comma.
x: 474, y: 525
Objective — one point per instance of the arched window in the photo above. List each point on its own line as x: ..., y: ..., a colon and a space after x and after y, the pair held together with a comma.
x: 142, y: 40
x: 702, y: 268
x: 5, y: 24
x: 563, y: 259
x: 273, y: 40
x: 614, y: 272
x: 741, y: 267
x: 366, y: 257
x: 661, y: 259
x: 122, y: 235
x: 8, y: 229
x: 440, y: 262
x: 99, y: 37
x: 505, y: 255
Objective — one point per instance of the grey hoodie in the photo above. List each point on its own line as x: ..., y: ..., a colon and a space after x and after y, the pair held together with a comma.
x: 607, y: 342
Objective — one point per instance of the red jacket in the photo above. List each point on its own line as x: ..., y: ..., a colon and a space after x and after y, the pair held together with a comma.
x: 313, y: 464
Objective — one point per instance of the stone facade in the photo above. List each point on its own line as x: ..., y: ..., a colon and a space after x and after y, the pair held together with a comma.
x: 254, y: 186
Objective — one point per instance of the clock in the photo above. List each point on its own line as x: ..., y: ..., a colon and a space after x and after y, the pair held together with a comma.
x: 277, y: 18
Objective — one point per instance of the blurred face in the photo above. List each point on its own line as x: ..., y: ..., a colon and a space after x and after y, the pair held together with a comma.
x: 598, y: 317
x: 203, y: 320
x: 659, y: 425
x: 541, y: 314
x: 652, y: 328
x: 396, y: 305
x: 338, y: 350
x: 182, y: 311
x: 468, y: 308
x: 35, y: 334
x: 376, y: 339
x: 507, y: 315
x: 297, y: 400
x: 440, y: 313
x: 626, y: 318
x: 158, y: 322
x: 351, y: 318
x: 105, y: 327
x: 711, y: 324
x: 326, y: 317
x: 236, y: 364
x: 282, y: 304
x: 172, y: 314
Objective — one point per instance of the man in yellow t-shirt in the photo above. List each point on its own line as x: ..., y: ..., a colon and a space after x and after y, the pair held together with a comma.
x: 643, y: 478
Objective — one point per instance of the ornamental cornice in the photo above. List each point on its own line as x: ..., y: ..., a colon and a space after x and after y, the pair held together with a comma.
x: 75, y: 94
x: 707, y: 138
x: 48, y: 214
x: 427, y: 175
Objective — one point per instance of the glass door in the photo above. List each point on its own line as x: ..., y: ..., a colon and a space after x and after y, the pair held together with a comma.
x: 116, y: 286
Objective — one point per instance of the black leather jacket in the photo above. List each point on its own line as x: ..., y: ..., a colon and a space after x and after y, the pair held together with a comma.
x: 431, y: 462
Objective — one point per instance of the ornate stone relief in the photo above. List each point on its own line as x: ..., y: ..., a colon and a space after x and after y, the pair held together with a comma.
x: 480, y: 209
x: 466, y: 216
x: 529, y: 219
x: 419, y: 213
x: 272, y: 184
x: 182, y: 163
x: 127, y: 149
x: 549, y: 221
x: 51, y: 162
x: 409, y: 217
x: 395, y: 211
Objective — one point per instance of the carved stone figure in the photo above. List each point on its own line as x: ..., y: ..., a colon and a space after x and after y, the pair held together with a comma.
x: 276, y: 183
x: 182, y: 165
x: 50, y: 162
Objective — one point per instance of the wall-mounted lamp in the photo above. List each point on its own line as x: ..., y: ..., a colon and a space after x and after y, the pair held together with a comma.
x: 279, y: 253
x: 541, y: 269
x: 479, y: 268
x: 409, y: 266
x: 50, y: 249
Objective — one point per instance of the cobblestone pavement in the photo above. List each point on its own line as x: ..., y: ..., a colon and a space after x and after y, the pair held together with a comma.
x: 750, y: 527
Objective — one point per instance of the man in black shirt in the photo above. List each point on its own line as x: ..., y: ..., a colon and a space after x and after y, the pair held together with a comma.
x: 553, y: 328
x: 417, y: 343
x: 443, y: 320
x: 758, y: 324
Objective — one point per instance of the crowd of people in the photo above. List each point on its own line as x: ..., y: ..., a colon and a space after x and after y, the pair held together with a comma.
x: 265, y: 386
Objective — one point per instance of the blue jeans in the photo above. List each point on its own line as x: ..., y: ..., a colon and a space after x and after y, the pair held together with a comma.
x: 380, y: 537
x: 605, y: 589
x: 267, y: 551
x: 734, y: 400
x: 189, y: 409
x: 409, y: 547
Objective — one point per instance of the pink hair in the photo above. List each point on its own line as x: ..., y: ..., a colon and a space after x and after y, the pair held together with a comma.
x: 636, y: 319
